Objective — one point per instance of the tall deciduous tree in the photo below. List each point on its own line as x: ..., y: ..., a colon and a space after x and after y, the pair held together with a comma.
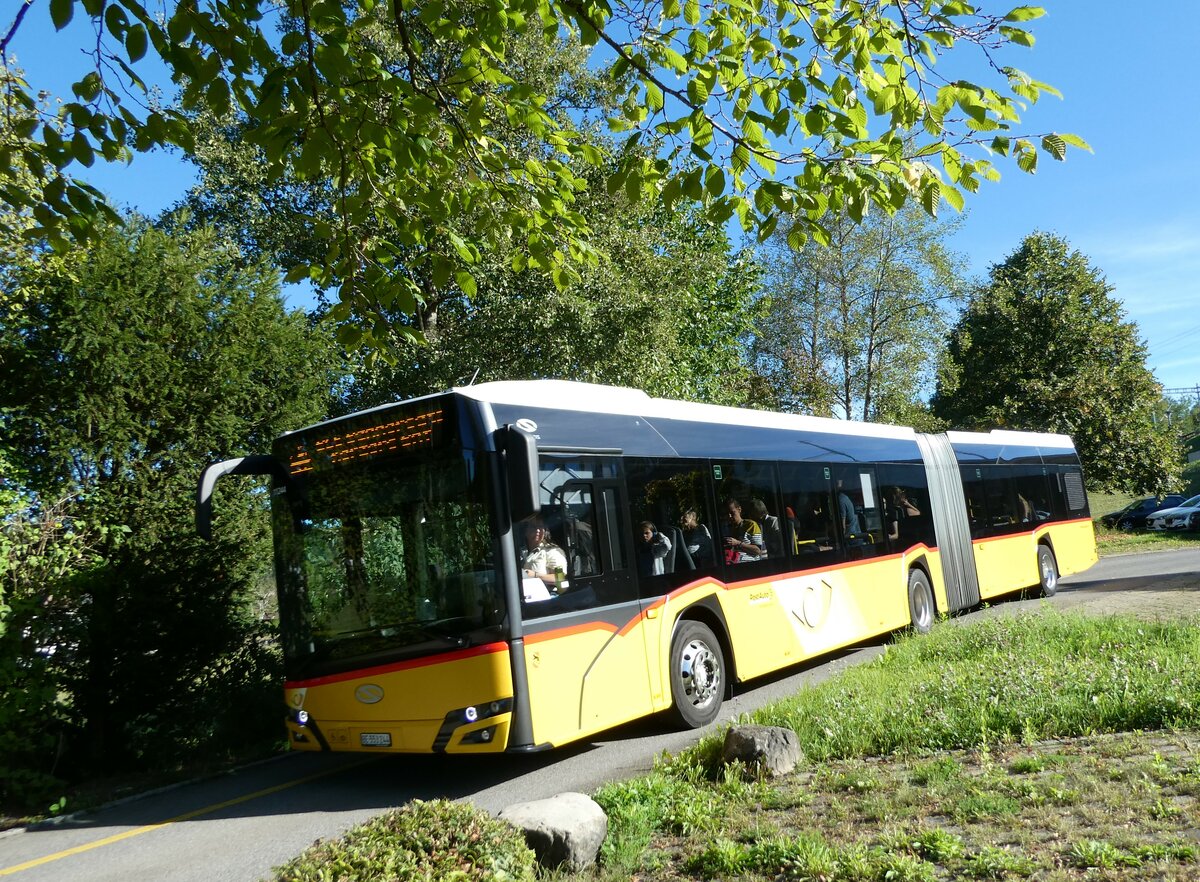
x: 1044, y: 347
x: 667, y: 310
x: 771, y: 109
x: 854, y: 329
x: 130, y: 366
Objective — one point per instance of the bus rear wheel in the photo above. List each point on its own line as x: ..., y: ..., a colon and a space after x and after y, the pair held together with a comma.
x: 697, y: 674
x: 920, y: 601
x: 1047, y: 571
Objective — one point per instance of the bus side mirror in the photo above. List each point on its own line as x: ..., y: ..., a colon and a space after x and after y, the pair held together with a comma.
x: 521, y: 468
x: 243, y: 465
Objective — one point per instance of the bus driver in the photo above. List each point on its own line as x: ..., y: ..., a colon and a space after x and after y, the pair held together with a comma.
x: 543, y: 560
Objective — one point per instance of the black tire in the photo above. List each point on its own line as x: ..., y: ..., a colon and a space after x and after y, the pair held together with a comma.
x: 1125, y: 525
x: 920, y: 601
x: 697, y: 674
x: 1047, y: 571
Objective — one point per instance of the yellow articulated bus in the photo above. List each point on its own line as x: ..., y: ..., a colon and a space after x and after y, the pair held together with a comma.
x: 514, y: 566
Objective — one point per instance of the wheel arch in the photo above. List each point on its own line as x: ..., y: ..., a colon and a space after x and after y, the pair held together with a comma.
x: 708, y: 612
x: 1047, y: 540
x: 921, y: 562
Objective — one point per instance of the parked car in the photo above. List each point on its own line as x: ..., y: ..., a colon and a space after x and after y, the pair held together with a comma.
x: 1133, y: 516
x: 1185, y: 516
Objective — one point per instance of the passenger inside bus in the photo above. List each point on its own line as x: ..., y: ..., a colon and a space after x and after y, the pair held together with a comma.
x: 772, y: 530
x: 696, y: 539
x: 542, y: 562
x: 652, y: 550
x: 742, y: 538
x: 849, y: 514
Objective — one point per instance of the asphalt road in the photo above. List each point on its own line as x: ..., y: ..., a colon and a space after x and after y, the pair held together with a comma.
x: 237, y: 827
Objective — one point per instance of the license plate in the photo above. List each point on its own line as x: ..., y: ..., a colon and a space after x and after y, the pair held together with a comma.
x: 375, y: 739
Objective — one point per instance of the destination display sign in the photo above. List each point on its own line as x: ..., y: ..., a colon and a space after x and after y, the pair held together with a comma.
x: 357, y: 441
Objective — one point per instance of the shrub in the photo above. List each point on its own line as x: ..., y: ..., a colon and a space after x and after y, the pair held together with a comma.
x: 422, y: 840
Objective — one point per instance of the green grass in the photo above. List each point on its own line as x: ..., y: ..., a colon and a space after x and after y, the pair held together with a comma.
x: 1045, y: 745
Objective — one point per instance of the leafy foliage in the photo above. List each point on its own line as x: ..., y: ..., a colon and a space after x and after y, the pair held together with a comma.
x: 40, y: 546
x: 852, y: 329
x: 422, y: 840
x: 1044, y: 347
x: 126, y: 368
x: 769, y: 110
x: 666, y: 311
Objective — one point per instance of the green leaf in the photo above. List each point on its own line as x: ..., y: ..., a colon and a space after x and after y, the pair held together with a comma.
x: 465, y: 251
x: 1019, y: 36
x: 1025, y: 13
x: 952, y: 196
x: 61, y: 13
x: 674, y: 60
x: 691, y: 12
x: 1075, y: 141
x: 466, y: 282
x: 714, y: 181
x: 1055, y: 146
x: 654, y: 97
x: 740, y: 160
x: 136, y: 42
x: 796, y: 237
x: 291, y: 42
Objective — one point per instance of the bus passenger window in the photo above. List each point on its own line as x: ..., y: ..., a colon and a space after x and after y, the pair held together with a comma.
x: 752, y: 531
x: 673, y: 498
x: 858, y: 512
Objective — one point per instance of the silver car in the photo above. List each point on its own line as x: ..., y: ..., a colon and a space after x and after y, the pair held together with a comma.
x: 1185, y: 516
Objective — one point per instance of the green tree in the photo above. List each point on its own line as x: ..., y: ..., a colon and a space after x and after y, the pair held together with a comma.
x: 770, y: 110
x: 853, y: 329
x: 131, y: 365
x: 667, y: 310
x: 1044, y: 347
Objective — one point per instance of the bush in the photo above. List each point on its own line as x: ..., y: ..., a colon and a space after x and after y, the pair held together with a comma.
x: 437, y: 840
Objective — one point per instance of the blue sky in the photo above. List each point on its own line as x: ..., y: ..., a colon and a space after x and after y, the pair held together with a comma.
x: 1133, y: 207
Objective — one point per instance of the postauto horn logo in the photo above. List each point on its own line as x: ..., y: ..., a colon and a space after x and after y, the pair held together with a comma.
x: 369, y: 693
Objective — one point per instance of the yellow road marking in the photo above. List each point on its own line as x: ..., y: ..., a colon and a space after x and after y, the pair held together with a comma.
x: 138, y: 831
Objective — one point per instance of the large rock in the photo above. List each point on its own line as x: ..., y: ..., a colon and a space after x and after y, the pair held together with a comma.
x: 771, y: 749
x: 564, y: 830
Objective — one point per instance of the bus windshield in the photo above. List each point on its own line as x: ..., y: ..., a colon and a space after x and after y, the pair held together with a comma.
x: 383, y: 560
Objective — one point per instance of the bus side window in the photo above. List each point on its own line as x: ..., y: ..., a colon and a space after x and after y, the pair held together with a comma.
x: 672, y: 498
x: 858, y: 510
x: 809, y: 513
x: 977, y: 511
x: 748, y: 503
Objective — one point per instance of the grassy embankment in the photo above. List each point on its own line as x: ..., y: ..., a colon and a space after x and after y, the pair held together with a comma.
x: 1043, y: 746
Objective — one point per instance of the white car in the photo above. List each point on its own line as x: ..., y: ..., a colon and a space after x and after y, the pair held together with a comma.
x: 1185, y: 516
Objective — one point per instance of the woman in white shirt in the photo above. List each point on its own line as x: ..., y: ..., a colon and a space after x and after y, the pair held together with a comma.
x: 543, y: 559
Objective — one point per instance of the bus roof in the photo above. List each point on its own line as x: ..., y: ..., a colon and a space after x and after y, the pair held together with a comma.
x: 595, y: 398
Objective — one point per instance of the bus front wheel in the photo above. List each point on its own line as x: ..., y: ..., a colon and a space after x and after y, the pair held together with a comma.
x: 920, y: 601
x: 697, y: 674
x: 1047, y: 571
